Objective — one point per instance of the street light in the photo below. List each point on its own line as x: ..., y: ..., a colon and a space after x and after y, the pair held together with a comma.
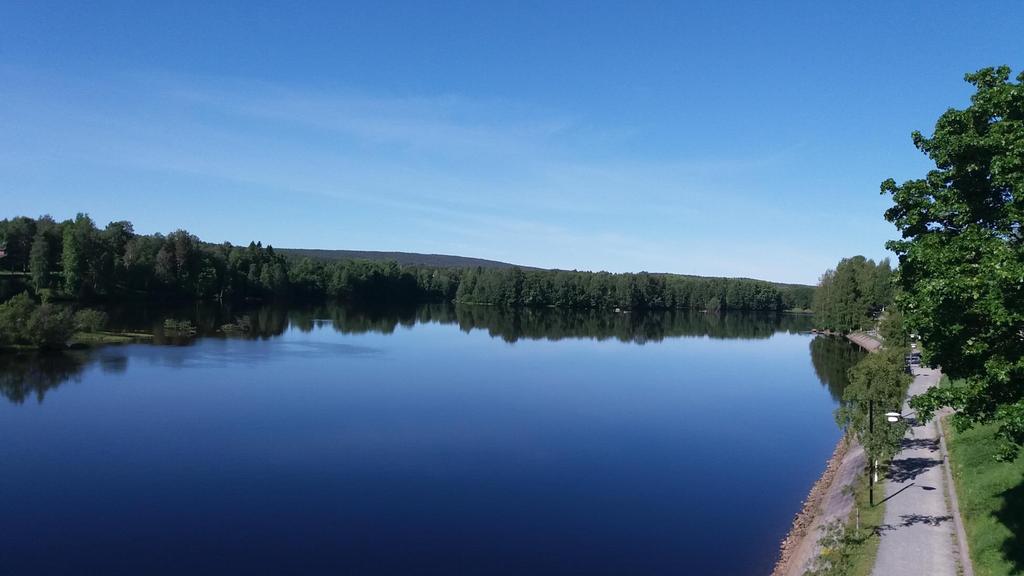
x: 891, y: 417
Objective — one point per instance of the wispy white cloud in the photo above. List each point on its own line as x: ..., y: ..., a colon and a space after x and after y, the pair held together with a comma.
x: 446, y: 124
x: 512, y: 183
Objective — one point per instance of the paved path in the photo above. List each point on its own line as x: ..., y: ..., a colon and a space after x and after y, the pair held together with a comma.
x: 917, y: 536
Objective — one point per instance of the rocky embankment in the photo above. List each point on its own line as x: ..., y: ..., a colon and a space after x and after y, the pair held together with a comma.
x: 830, y: 499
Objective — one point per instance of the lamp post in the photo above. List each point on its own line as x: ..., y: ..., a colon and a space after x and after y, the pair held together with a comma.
x: 892, y: 418
x: 874, y: 461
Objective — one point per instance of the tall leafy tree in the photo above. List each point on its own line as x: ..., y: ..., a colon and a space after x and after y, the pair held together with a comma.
x: 16, y: 236
x: 893, y: 329
x: 877, y: 384
x: 39, y: 261
x: 76, y: 251
x: 114, y: 242
x: 961, y: 256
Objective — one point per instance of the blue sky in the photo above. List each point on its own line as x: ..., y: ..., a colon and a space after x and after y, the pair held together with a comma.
x: 712, y: 138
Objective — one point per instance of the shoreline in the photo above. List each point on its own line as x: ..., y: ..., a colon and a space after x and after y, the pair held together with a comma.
x: 802, y: 536
x: 799, y: 548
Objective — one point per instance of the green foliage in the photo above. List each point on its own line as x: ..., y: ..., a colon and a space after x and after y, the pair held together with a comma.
x: 851, y: 549
x: 835, y: 547
x: 50, y: 327
x: 962, y: 255
x: 44, y: 256
x: 851, y: 296
x: 73, y: 254
x: 39, y: 263
x: 179, y: 326
x: 878, y: 384
x: 797, y: 296
x: 893, y: 329
x: 89, y: 320
x: 14, y: 316
x: 25, y: 323
x: 16, y: 237
x: 117, y: 262
x: 241, y: 324
x: 643, y: 291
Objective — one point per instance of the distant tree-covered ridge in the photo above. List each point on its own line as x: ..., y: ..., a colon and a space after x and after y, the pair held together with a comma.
x: 77, y: 260
x: 402, y: 258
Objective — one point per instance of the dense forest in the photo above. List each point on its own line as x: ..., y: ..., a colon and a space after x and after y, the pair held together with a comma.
x: 852, y: 296
x: 78, y: 261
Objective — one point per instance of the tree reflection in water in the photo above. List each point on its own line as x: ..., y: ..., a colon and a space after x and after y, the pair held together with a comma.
x: 27, y: 374
x: 832, y: 358
x: 512, y: 325
x: 23, y: 375
x: 509, y: 324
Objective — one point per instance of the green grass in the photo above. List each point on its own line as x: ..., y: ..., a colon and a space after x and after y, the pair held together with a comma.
x: 862, y: 556
x: 991, y: 500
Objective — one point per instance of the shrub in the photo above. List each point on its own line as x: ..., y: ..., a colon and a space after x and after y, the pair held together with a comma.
x: 14, y: 318
x: 179, y: 326
x: 241, y: 324
x: 50, y: 327
x: 89, y: 320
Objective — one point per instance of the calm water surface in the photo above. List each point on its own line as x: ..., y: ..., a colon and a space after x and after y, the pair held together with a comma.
x: 429, y: 441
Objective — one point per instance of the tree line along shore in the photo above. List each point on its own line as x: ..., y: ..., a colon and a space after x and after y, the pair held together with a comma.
x: 55, y: 264
x: 53, y: 269
x: 76, y: 260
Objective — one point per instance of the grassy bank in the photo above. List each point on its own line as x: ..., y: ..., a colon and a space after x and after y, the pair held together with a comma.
x: 862, y: 557
x: 104, y: 337
x: 88, y: 340
x: 991, y: 500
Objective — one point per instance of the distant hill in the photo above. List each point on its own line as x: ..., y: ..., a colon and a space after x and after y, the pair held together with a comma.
x: 449, y: 261
x: 414, y: 258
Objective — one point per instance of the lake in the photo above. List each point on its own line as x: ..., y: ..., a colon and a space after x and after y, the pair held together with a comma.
x: 434, y: 440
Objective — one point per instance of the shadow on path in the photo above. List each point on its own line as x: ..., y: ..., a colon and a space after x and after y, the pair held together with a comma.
x: 896, y: 493
x: 907, y: 520
x: 930, y: 444
x: 911, y: 519
x: 910, y: 468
